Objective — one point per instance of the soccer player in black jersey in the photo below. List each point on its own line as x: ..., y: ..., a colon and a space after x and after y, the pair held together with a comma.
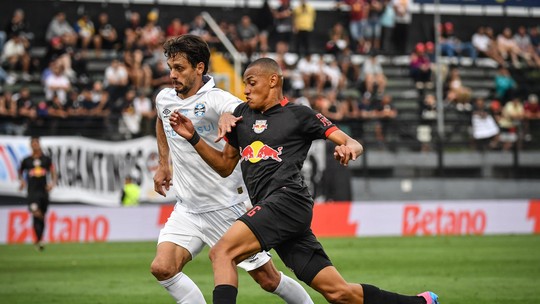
x: 33, y: 172
x: 271, y: 138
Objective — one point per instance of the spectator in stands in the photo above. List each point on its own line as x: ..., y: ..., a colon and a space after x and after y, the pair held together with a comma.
x: 505, y: 85
x: 304, y: 16
x: 508, y: 47
x: 420, y: 67
x: 139, y: 73
x: 59, y: 27
x: 199, y: 27
x: 332, y: 76
x: 18, y: 24
x: 358, y: 21
x: 457, y: 93
x: 26, y: 110
x: 106, y: 36
x: 452, y: 46
x: 485, y: 129
x: 116, y: 79
x: 329, y: 106
x: 338, y: 40
x: 132, y: 31
x: 388, y: 22
x: 85, y: 29
x: 57, y: 83
x: 372, y: 75
x: 131, y: 120
x: 534, y: 34
x: 350, y: 70
x: 511, y: 122
x: 160, y: 76
x: 428, y: 118
x: 283, y: 22
x: 8, y: 113
x: 247, y: 35
x: 147, y: 112
x: 16, y: 56
x: 526, y: 47
x: 100, y: 97
x: 264, y: 20
x: 386, y: 114
x: 310, y: 69
x: 532, y: 115
x: 152, y: 35
x: 176, y: 28
x: 486, y: 46
x: 373, y: 28
x: 403, y: 10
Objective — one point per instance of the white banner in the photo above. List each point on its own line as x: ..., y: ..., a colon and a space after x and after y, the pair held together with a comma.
x: 89, y: 171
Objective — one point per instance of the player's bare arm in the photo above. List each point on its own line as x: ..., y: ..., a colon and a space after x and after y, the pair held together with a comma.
x: 223, y: 162
x: 225, y: 124
x: 346, y: 149
x: 54, y: 178
x: 163, y: 176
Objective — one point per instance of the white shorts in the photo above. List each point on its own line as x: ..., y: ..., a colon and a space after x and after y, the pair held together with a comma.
x: 195, y: 230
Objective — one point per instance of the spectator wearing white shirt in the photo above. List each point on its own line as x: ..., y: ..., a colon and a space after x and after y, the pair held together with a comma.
x: 59, y: 27
x: 16, y: 55
x: 116, y: 79
x: 144, y: 108
x: 57, y: 83
x: 485, y: 46
x: 527, y: 49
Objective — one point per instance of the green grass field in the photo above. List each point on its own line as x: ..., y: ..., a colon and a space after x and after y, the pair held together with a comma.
x: 462, y: 270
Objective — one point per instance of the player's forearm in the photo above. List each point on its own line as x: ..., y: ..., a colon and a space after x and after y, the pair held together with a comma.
x: 163, y: 147
x: 215, y: 159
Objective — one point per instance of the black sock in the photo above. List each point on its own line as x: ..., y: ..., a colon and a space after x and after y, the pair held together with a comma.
x: 39, y: 226
x: 374, y: 295
x: 225, y: 294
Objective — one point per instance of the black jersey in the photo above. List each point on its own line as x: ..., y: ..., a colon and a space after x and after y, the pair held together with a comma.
x: 273, y: 146
x: 37, y: 170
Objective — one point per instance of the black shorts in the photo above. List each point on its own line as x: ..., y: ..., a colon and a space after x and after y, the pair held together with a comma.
x: 39, y: 201
x: 282, y: 222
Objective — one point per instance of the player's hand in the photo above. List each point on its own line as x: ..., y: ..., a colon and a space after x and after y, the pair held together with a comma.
x: 22, y: 186
x: 344, y: 154
x: 162, y: 180
x: 225, y: 124
x: 49, y: 187
x: 181, y: 125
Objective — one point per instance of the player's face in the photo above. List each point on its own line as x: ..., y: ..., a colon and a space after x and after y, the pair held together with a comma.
x: 34, y: 144
x: 257, y: 88
x: 185, y: 79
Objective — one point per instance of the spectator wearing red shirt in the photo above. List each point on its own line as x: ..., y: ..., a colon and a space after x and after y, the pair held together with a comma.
x: 358, y: 21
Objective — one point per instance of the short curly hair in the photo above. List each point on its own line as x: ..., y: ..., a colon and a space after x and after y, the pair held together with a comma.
x: 193, y: 47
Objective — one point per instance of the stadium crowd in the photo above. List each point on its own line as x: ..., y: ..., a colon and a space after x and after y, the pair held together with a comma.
x: 346, y: 82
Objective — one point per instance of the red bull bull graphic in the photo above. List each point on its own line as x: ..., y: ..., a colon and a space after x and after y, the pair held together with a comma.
x: 259, y: 126
x: 258, y: 151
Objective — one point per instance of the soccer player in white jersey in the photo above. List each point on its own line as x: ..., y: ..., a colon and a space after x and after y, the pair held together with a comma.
x: 207, y: 204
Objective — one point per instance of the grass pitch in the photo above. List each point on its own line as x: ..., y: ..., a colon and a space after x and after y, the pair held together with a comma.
x: 462, y: 270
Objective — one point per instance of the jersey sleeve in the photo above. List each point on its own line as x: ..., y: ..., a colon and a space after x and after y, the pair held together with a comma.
x: 314, y: 124
x: 159, y: 104
x: 232, y: 137
x: 223, y: 101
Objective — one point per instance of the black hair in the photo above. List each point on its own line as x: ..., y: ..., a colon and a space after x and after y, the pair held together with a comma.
x: 193, y: 47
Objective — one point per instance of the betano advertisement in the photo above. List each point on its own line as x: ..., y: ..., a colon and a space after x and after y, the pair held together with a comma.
x: 75, y: 223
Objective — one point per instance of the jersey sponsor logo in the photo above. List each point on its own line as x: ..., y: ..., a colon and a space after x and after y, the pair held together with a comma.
x: 199, y: 110
x: 259, y: 126
x: 258, y: 151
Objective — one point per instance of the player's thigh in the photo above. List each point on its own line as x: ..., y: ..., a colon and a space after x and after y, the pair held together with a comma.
x: 238, y: 243
x: 214, y: 224
x: 183, y: 229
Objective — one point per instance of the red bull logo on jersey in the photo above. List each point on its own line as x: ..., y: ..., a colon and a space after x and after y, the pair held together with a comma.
x: 259, y: 126
x: 258, y: 151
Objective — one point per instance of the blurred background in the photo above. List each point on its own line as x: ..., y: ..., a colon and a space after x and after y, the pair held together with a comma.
x: 442, y: 93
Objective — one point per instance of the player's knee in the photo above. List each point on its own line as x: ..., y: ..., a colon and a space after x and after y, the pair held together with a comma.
x: 336, y: 296
x: 162, y: 271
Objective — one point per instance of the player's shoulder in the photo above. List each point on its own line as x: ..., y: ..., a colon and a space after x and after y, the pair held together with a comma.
x: 219, y: 94
x: 164, y: 94
x: 298, y: 109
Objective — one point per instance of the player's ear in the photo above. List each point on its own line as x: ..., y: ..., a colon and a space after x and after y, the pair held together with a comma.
x: 274, y: 78
x: 200, y: 68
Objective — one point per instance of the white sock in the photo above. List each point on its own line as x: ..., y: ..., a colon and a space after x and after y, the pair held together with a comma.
x: 291, y: 291
x: 183, y: 289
